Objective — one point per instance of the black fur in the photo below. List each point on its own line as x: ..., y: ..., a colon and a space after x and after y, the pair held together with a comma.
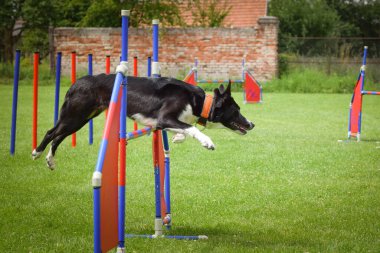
x: 161, y: 98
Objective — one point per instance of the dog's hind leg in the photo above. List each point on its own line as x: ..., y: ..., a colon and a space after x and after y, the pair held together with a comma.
x: 64, y: 131
x: 49, y: 136
x: 53, y: 148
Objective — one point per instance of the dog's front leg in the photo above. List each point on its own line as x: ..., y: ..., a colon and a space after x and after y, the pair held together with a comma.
x: 177, y: 126
x: 201, y: 137
x: 195, y: 133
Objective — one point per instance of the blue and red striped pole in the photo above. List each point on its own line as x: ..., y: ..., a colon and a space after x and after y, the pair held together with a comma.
x: 362, y: 73
x: 90, y: 123
x: 138, y: 133
x: 167, y: 218
x: 112, y: 114
x: 16, y: 77
x: 157, y: 183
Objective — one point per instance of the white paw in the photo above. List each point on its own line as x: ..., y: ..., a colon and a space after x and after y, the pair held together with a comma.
x: 50, y: 162
x: 179, y: 138
x: 36, y: 155
x: 207, y: 143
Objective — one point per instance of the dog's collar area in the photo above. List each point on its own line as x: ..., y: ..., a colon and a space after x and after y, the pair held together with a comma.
x: 207, y: 105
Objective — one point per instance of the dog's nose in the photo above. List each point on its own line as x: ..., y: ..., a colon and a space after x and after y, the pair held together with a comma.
x: 251, y: 125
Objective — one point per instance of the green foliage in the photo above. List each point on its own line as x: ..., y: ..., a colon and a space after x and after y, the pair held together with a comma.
x: 10, y: 11
x: 26, y: 73
x: 71, y: 12
x: 360, y: 17
x: 101, y: 13
x: 305, y: 23
x: 35, y: 40
x: 283, y: 64
x: 209, y: 13
x: 304, y: 17
x: 312, y: 80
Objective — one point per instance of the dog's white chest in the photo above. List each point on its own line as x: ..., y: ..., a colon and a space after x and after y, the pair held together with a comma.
x: 146, y: 121
x: 187, y: 115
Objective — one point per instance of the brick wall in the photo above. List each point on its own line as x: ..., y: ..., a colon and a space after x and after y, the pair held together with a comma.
x: 219, y: 50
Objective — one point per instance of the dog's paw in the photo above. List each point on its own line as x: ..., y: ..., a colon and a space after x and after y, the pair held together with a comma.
x: 179, y: 138
x: 50, y: 162
x: 36, y: 155
x: 207, y: 143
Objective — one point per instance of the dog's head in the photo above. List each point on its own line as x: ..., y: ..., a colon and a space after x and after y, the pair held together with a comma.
x: 227, y: 112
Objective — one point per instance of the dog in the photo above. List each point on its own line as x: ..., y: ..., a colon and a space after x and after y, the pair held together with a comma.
x: 162, y: 103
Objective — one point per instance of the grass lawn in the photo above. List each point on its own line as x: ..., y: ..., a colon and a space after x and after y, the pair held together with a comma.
x: 287, y: 186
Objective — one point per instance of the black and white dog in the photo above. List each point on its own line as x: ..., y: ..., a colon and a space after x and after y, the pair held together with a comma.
x: 162, y: 103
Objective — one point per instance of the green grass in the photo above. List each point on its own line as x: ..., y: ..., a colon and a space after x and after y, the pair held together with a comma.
x: 313, y: 80
x: 287, y: 186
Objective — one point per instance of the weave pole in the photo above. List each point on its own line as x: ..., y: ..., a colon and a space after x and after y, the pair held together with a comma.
x: 109, y: 191
x: 73, y: 79
x: 135, y: 126
x: 149, y: 67
x: 16, y: 77
x: 36, y: 58
x: 57, y: 85
x: 90, y: 123
x: 108, y: 64
x: 108, y: 71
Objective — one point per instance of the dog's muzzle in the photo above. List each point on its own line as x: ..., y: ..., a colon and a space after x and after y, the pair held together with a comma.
x: 242, y: 128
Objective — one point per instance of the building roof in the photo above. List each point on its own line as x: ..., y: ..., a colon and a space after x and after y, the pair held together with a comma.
x: 243, y: 13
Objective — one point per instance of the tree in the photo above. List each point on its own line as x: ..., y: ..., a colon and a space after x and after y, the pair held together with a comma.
x: 361, y: 16
x: 101, y: 13
x: 37, y: 19
x: 10, y: 11
x: 326, y: 18
x: 209, y: 13
x: 304, y: 18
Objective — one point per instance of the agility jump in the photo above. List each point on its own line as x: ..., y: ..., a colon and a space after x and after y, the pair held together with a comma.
x: 252, y: 89
x: 355, y: 113
x: 109, y: 177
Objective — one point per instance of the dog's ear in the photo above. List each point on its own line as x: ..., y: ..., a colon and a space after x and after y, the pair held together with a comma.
x: 218, y: 98
x: 221, y: 89
x: 217, y: 92
x: 228, y: 90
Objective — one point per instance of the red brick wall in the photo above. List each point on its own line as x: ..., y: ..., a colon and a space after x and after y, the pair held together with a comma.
x: 219, y: 50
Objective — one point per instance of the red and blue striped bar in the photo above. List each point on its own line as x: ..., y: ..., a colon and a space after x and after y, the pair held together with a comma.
x: 138, y: 133
x: 365, y: 92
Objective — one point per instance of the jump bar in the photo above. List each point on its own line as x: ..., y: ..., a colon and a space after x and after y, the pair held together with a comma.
x: 365, y: 92
x: 138, y: 133
x: 219, y: 81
